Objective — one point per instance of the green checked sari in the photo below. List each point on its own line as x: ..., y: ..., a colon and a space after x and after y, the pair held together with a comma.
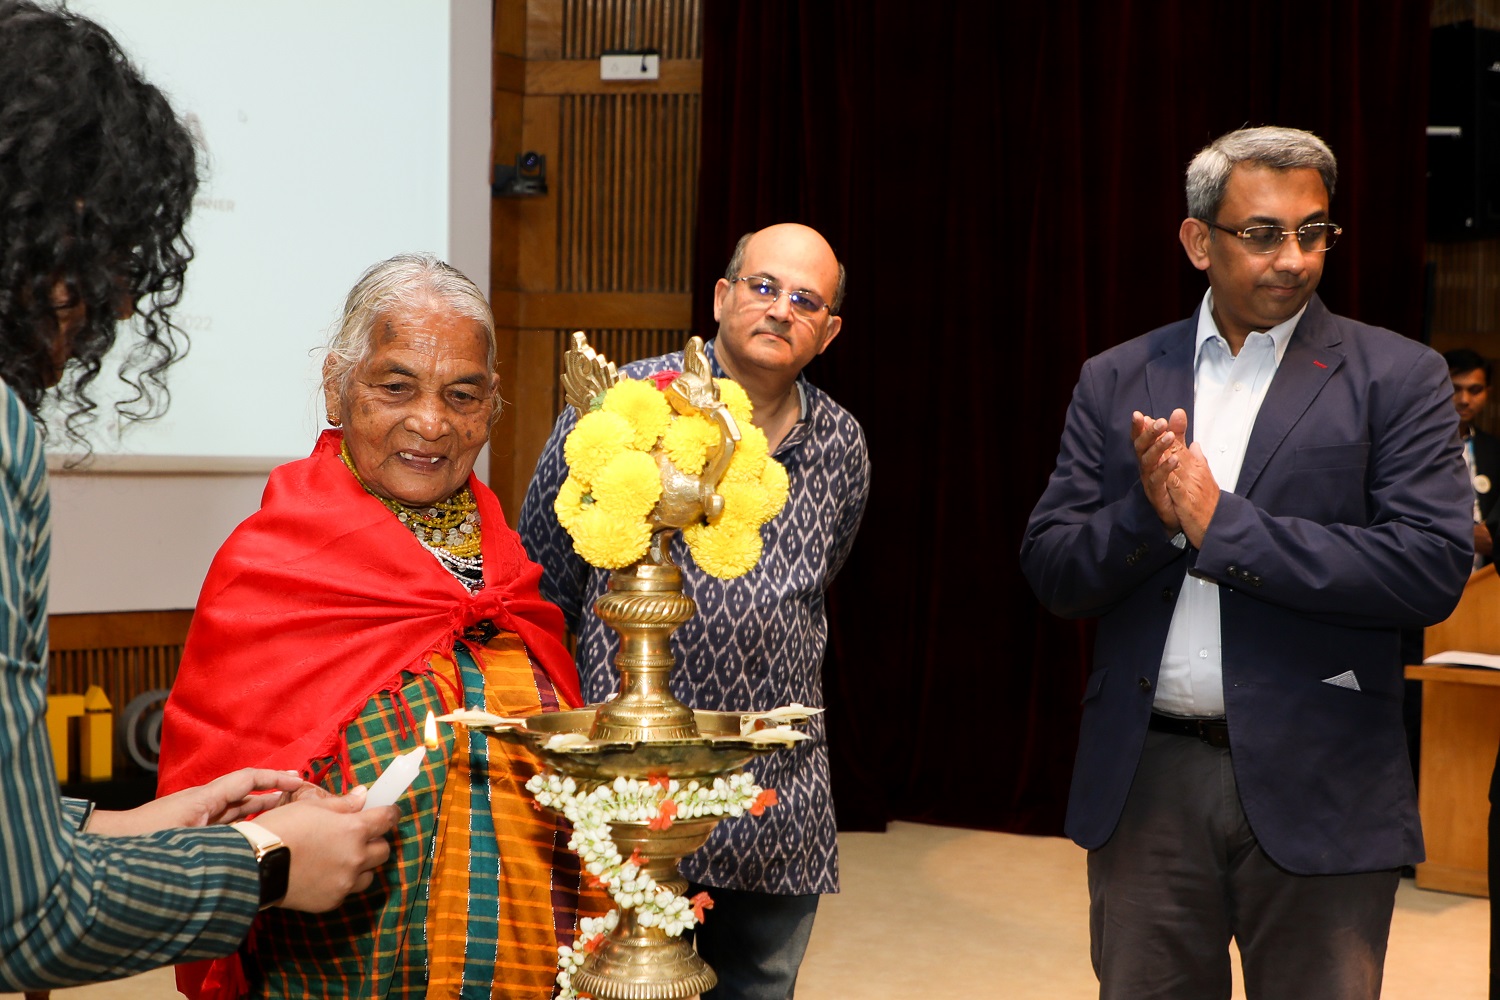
x: 481, y: 887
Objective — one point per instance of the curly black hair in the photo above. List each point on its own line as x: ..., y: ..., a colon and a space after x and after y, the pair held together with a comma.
x: 97, y: 176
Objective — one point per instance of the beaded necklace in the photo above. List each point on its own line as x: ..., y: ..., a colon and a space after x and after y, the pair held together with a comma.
x: 449, y: 529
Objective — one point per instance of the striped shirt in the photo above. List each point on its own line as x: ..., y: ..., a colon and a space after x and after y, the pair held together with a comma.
x: 76, y: 908
x: 756, y: 642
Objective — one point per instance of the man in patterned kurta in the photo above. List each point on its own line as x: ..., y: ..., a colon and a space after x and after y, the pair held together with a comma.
x: 757, y: 641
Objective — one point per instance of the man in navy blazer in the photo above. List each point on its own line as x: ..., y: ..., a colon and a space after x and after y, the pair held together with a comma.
x: 1253, y: 501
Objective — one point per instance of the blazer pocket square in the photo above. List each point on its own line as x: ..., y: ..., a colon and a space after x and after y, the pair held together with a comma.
x: 1344, y: 680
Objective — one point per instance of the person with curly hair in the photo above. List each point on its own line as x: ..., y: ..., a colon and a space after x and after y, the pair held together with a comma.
x: 97, y: 175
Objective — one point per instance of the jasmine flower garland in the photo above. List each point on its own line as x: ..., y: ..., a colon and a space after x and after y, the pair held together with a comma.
x: 657, y: 802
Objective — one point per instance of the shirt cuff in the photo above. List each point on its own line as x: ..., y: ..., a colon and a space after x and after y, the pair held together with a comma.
x: 78, y: 812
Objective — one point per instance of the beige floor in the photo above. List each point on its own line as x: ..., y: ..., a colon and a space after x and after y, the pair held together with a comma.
x: 992, y: 915
x: 931, y: 911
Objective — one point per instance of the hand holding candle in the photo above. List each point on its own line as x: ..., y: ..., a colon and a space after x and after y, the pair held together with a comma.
x: 398, y: 776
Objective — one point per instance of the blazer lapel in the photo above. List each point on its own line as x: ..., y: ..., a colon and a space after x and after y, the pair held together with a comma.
x: 1169, y: 373
x: 1311, y: 358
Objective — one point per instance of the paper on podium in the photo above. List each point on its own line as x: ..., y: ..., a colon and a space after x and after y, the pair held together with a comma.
x: 1463, y: 658
x: 1471, y: 634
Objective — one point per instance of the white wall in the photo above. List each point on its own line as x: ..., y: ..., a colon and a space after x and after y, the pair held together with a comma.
x: 337, y: 133
x: 141, y: 542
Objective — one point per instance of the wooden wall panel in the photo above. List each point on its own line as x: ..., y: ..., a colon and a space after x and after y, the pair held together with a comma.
x: 609, y: 248
x: 628, y: 204
x: 672, y: 27
x: 581, y: 76
x: 1466, y: 303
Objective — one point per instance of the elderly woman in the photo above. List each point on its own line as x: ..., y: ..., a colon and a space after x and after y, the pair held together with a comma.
x: 379, y: 581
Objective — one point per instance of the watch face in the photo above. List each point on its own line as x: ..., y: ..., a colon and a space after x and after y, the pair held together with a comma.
x: 275, y: 868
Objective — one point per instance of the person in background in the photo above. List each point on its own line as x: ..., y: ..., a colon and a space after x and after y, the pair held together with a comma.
x: 96, y: 178
x: 757, y: 641
x: 1254, y: 501
x: 1470, y: 374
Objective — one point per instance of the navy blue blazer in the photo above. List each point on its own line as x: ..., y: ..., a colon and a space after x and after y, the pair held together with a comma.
x: 1352, y: 518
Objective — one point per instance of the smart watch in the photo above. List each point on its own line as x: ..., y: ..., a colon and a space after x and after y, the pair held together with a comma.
x: 274, y: 859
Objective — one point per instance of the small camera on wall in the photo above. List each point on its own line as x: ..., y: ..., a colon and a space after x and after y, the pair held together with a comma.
x: 527, y: 179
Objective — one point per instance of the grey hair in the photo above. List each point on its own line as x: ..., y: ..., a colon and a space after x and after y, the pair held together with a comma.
x: 403, y: 284
x: 737, y: 261
x: 1268, y: 145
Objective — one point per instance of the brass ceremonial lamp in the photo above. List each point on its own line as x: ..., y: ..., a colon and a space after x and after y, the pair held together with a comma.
x: 644, y: 731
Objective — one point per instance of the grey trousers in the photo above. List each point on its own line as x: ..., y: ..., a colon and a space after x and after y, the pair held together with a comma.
x: 1183, y: 874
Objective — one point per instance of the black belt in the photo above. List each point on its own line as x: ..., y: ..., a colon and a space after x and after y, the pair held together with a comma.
x: 1214, y: 732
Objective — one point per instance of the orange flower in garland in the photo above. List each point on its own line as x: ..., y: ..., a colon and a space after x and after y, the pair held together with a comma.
x: 767, y: 797
x: 664, y: 816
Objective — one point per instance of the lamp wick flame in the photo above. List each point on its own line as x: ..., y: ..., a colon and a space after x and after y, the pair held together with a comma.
x: 429, y: 735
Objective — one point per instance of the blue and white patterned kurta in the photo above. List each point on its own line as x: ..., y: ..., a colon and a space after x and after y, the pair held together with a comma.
x: 756, y: 642
x: 77, y: 908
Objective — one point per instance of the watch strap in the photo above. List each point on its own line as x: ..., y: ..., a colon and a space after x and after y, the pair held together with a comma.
x: 272, y: 857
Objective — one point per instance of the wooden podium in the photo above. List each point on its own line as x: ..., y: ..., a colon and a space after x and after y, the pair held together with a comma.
x: 1460, y: 732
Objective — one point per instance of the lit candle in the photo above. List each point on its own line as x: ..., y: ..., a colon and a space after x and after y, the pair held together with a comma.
x: 397, y: 778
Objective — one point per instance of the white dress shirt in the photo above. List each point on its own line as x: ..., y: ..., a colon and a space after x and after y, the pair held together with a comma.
x: 1227, y: 392
x: 1470, y: 461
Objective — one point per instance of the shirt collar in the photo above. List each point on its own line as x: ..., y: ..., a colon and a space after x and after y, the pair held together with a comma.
x: 1280, y: 334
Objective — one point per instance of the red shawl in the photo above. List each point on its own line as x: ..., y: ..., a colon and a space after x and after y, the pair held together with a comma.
x: 319, y: 601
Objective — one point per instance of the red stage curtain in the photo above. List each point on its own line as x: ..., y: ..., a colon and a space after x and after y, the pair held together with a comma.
x: 1005, y: 186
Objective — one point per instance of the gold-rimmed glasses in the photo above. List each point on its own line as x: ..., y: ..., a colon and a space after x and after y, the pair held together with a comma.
x: 1313, y: 237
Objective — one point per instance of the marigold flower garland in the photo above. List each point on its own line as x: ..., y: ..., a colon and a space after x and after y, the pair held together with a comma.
x: 614, y: 482
x: 657, y: 802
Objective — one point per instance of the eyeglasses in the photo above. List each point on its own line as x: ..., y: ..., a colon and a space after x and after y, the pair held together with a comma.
x: 1315, y: 237
x: 766, y: 291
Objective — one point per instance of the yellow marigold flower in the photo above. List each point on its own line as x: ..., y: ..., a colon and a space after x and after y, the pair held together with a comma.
x: 774, y: 479
x: 607, y: 541
x: 570, y: 501
x: 629, y: 485
x: 688, y: 441
x: 746, y: 505
x: 644, y: 406
x: 599, y: 437
x: 723, y: 550
x: 749, y: 455
x: 732, y: 394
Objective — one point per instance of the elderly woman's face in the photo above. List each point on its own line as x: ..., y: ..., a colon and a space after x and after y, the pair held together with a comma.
x: 417, y: 411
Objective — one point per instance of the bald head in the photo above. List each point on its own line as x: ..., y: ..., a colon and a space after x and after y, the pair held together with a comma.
x: 792, y: 241
x: 777, y: 309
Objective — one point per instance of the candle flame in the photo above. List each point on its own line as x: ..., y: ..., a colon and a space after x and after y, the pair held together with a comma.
x: 430, y: 737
